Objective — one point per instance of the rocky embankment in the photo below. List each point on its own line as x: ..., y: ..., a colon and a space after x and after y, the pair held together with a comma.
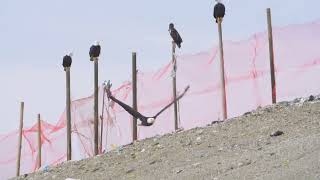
x: 276, y: 142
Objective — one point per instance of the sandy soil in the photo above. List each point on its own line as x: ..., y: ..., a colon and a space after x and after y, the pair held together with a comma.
x: 240, y: 148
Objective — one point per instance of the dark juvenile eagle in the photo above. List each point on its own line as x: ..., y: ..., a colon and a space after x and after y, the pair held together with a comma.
x: 67, y: 61
x: 219, y: 10
x: 175, y: 35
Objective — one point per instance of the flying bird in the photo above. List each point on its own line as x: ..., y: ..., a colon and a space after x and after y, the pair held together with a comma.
x: 219, y: 10
x: 145, y: 121
x: 95, y: 51
x: 67, y: 61
x: 175, y: 35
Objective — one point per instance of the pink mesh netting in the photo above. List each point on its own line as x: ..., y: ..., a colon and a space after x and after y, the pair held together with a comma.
x: 297, y: 59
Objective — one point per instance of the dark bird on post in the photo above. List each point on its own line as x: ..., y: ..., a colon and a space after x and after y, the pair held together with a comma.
x: 175, y: 35
x: 219, y: 11
x: 95, y: 51
x: 67, y: 61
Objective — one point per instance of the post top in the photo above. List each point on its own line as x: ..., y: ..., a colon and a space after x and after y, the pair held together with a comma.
x: 67, y: 68
x: 94, y: 58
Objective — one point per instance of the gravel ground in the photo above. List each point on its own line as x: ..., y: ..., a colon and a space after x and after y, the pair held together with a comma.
x: 240, y: 148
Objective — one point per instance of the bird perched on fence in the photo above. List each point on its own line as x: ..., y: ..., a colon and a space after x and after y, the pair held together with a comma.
x: 175, y: 35
x: 219, y: 10
x: 67, y: 61
x: 145, y: 121
x: 95, y: 51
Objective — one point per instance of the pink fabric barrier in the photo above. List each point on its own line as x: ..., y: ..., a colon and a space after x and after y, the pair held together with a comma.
x: 297, y: 64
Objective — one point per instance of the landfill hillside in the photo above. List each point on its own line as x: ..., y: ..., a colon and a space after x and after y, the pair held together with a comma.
x: 275, y: 142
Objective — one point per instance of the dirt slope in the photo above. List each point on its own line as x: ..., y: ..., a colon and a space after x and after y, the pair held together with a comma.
x: 240, y: 148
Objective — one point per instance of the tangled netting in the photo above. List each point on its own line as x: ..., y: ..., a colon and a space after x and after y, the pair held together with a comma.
x: 248, y: 85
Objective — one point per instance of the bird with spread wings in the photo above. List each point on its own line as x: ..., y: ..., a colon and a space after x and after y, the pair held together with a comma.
x: 145, y: 121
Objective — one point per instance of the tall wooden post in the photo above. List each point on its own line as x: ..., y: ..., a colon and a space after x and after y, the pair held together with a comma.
x: 273, y: 79
x: 96, y: 111
x: 222, y: 74
x: 134, y: 95
x: 68, y: 105
x: 20, y: 138
x: 39, y: 141
x: 101, y: 118
x: 174, y: 85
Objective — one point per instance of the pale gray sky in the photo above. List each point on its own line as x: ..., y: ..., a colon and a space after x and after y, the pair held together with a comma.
x: 35, y: 34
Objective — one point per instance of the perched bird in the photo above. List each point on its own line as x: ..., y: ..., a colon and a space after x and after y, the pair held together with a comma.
x: 175, y: 35
x: 94, y: 51
x: 67, y: 61
x: 219, y: 10
x: 145, y: 121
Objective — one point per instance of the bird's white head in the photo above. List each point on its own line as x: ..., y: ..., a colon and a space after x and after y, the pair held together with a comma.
x: 71, y: 54
x: 151, y: 120
x: 96, y: 43
x: 219, y: 1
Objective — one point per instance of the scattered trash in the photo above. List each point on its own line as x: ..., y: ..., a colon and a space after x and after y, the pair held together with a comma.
x: 46, y: 168
x: 143, y: 150
x: 210, y: 146
x: 130, y: 171
x: 156, y: 143
x: 244, y: 163
x: 179, y: 171
x: 196, y: 164
x: 311, y: 98
x: 199, y: 132
x: 159, y: 146
x: 272, y: 154
x: 277, y: 133
x: 152, y: 162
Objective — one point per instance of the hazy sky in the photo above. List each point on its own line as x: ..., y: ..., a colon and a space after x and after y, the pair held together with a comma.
x: 35, y: 34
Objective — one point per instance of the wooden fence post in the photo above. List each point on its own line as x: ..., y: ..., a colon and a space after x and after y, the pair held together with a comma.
x: 222, y: 73
x: 174, y: 85
x: 39, y: 141
x: 20, y: 138
x: 96, y: 111
x: 272, y: 69
x: 134, y: 95
x: 68, y: 104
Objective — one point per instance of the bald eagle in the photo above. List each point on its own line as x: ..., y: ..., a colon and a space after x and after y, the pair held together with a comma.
x: 175, y: 35
x: 219, y: 10
x: 67, y: 61
x: 94, y: 51
x: 145, y: 121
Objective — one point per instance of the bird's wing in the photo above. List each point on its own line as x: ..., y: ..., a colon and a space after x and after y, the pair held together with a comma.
x: 179, y: 37
x: 129, y: 109
x: 167, y: 106
x: 174, y: 34
x: 91, y: 50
